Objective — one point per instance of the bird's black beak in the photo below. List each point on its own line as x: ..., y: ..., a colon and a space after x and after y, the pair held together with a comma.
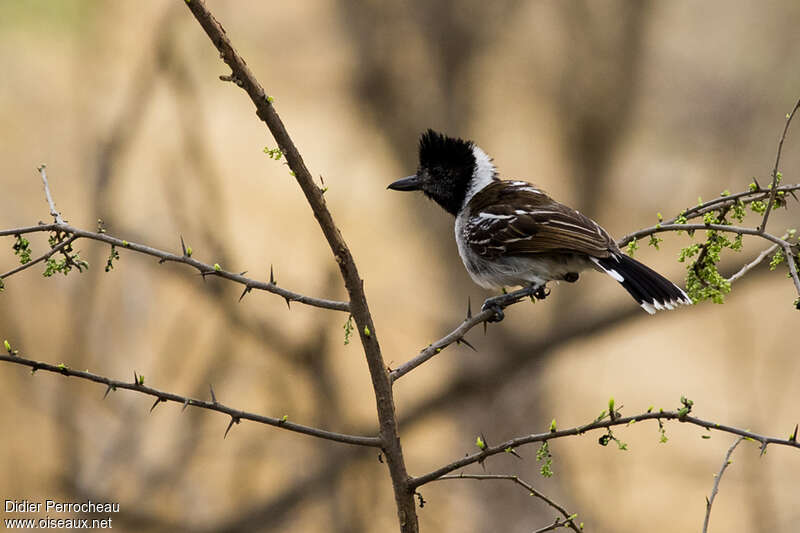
x: 409, y: 183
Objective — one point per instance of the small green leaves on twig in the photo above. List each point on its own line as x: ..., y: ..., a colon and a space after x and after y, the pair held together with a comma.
x: 686, y: 407
x: 663, y: 439
x: 553, y: 426
x: 11, y: 351
x: 348, y: 329
x: 632, y: 247
x: 543, y: 455
x: 480, y: 442
x: 273, y: 153
x: 367, y: 332
x: 22, y: 248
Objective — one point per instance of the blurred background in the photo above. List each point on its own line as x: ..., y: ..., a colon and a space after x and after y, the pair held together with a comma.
x: 621, y: 109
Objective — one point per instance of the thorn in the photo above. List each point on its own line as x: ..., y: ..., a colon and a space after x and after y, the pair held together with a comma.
x: 243, y: 273
x: 230, y: 425
x: 158, y: 401
x: 245, y: 291
x: 288, y: 303
x: 469, y: 308
x: 271, y: 276
x: 763, y: 448
x: 135, y: 378
x: 380, y: 457
x: 708, y: 502
x: 484, y: 327
x: 462, y: 340
x: 213, y: 396
x: 794, y: 195
x: 162, y: 261
x: 108, y: 389
x: 756, y: 182
x: 185, y: 404
x: 793, y: 438
x: 183, y: 246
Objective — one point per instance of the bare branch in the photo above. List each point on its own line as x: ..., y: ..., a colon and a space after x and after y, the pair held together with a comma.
x: 600, y: 423
x: 53, y: 211
x: 773, y: 189
x: 754, y: 263
x: 163, y: 396
x: 717, y: 478
x: 204, y: 268
x: 568, y: 519
x: 384, y: 398
x: 456, y: 335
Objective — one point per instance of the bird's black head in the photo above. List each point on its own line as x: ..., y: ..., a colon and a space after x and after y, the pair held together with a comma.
x: 450, y: 169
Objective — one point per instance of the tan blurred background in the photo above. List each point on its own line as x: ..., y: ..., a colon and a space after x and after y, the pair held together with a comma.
x: 622, y: 109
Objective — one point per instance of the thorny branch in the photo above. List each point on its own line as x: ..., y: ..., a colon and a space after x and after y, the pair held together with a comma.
x: 567, y: 520
x: 604, y: 422
x: 359, y: 309
x: 775, y: 177
x: 725, y: 463
x: 204, y: 268
x: 213, y: 405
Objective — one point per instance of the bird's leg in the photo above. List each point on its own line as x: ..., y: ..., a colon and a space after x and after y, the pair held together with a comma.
x: 498, y: 303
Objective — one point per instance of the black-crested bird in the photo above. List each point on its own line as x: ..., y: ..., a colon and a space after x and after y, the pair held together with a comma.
x: 511, y: 233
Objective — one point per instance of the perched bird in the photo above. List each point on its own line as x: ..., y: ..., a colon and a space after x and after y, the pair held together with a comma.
x: 511, y: 233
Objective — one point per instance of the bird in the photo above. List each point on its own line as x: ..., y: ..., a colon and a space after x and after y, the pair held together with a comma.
x: 511, y: 233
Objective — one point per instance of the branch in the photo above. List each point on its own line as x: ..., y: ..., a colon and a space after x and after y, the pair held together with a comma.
x: 53, y: 211
x: 568, y: 519
x: 60, y: 246
x: 163, y: 396
x: 720, y: 202
x: 457, y: 335
x: 384, y: 399
x: 739, y: 230
x: 754, y: 263
x: 717, y: 478
x: 203, y: 268
x: 599, y: 423
x: 773, y: 188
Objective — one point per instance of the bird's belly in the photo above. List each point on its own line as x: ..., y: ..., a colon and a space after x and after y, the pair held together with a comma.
x: 522, y: 270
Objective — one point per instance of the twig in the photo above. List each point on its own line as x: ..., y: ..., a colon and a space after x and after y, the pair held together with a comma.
x: 204, y: 268
x: 774, y: 190
x: 454, y: 336
x: 712, y: 205
x: 53, y: 211
x: 597, y: 424
x: 568, y: 518
x: 381, y: 384
x: 739, y: 230
x: 717, y: 478
x: 754, y: 263
x: 163, y: 396
x: 39, y: 259
x: 559, y: 522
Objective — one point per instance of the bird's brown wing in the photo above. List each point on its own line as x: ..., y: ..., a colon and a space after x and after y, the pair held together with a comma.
x: 513, y: 218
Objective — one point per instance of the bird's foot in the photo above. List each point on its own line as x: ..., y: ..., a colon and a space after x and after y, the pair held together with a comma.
x: 498, y: 303
x: 495, y: 305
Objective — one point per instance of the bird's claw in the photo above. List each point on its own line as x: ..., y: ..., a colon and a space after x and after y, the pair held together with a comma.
x: 491, y: 304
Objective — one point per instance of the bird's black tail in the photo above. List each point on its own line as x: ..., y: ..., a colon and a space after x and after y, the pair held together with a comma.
x: 652, y: 290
